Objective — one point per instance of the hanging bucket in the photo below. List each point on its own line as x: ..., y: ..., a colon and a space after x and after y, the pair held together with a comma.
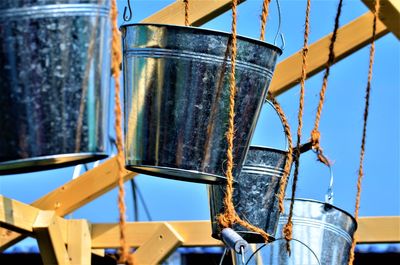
x: 54, y: 79
x: 177, y: 99
x: 322, y: 234
x: 255, y: 192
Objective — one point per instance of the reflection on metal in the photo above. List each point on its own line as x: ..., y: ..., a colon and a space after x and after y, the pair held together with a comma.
x: 54, y: 82
x: 176, y: 99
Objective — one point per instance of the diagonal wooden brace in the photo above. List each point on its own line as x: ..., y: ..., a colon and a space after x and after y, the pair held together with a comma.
x: 159, y: 246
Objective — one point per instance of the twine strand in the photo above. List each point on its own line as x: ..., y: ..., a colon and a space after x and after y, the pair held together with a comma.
x: 125, y: 257
x: 228, y: 218
x: 186, y: 2
x: 364, y: 131
x: 315, y: 134
x: 264, y: 16
x: 288, y: 228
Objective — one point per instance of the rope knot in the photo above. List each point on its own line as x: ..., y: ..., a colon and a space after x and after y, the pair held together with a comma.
x: 315, y: 136
x: 288, y: 231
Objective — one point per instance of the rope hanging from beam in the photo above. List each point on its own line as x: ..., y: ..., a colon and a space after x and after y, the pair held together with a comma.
x: 315, y: 133
x: 125, y: 256
x: 364, y: 131
x: 288, y: 228
x: 229, y: 217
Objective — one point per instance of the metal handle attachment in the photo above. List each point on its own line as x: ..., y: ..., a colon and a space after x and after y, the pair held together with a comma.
x: 129, y: 9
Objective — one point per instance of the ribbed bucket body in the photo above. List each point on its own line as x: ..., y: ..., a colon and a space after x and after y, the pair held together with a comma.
x: 255, y: 193
x: 322, y: 234
x: 54, y: 82
x: 177, y: 99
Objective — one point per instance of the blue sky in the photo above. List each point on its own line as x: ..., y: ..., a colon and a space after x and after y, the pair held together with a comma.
x: 341, y: 125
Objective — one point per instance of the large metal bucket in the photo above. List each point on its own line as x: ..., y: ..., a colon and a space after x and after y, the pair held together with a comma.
x: 177, y: 99
x: 54, y: 80
x: 322, y: 235
x: 255, y: 193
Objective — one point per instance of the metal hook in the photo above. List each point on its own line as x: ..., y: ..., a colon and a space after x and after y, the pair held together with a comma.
x: 129, y: 17
x: 278, y: 32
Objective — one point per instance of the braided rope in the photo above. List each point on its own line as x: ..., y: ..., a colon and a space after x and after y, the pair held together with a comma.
x: 364, y: 131
x: 125, y: 257
x: 228, y: 218
x: 288, y: 228
x: 315, y: 134
x: 289, y: 156
x: 264, y: 16
x: 186, y: 2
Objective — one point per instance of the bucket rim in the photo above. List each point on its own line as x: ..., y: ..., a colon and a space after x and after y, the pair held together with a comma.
x: 330, y: 205
x: 244, y: 38
x: 263, y: 147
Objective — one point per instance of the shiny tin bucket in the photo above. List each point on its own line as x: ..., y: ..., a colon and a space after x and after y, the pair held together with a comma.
x: 255, y: 193
x: 322, y: 234
x: 54, y: 81
x: 177, y: 99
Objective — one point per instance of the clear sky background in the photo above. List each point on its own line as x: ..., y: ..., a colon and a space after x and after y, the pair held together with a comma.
x: 341, y: 125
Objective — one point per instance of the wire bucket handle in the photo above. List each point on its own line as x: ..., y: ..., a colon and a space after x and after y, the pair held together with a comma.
x: 279, y: 239
x: 282, y: 123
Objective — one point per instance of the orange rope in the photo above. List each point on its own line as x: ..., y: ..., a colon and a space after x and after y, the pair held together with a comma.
x: 289, y: 156
x: 186, y: 12
x: 288, y: 229
x: 364, y: 132
x: 227, y: 219
x: 125, y: 257
x: 315, y: 134
x: 264, y: 16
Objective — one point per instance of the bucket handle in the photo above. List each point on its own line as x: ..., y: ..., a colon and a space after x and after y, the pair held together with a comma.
x: 280, y: 118
x: 278, y: 31
x: 329, y: 192
x: 278, y: 239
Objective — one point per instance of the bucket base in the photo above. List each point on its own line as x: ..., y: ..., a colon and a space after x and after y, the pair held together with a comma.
x: 47, y: 162
x: 250, y: 237
x: 178, y: 174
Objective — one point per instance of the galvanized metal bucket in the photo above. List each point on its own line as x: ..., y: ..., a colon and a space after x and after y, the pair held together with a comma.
x: 322, y: 234
x: 54, y: 80
x: 255, y: 193
x: 177, y: 99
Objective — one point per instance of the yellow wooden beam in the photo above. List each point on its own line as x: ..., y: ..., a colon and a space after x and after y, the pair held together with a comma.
x: 193, y: 233
x: 159, y: 246
x: 79, y: 242
x: 389, y: 14
x: 73, y: 195
x: 385, y: 229
x: 198, y: 233
x: 48, y: 233
x: 16, y: 216
x: 351, y: 37
x: 201, y: 11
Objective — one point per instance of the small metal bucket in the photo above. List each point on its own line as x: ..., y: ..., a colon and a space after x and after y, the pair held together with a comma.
x: 177, y: 99
x: 322, y: 235
x: 255, y: 193
x: 54, y: 82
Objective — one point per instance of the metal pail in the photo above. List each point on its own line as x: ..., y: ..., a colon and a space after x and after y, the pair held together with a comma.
x: 255, y: 193
x: 177, y: 99
x: 322, y: 234
x: 54, y: 82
